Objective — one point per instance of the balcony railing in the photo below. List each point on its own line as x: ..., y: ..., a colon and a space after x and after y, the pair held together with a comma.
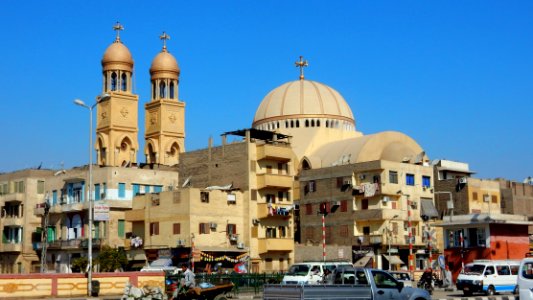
x: 69, y: 244
x: 12, y: 247
x: 13, y: 221
x: 369, y: 240
x: 266, y: 210
x: 275, y: 244
x: 274, y: 181
x: 274, y: 152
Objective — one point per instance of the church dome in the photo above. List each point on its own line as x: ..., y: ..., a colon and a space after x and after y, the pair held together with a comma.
x: 166, y: 63
x: 303, y: 99
x: 117, y: 56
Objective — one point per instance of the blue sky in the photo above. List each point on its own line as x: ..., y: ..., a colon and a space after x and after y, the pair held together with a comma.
x: 454, y: 75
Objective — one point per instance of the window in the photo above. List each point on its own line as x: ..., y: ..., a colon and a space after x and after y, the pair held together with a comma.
x: 136, y: 189
x: 158, y: 188
x: 162, y: 90
x: 366, y: 230
x: 232, y: 198
x: 364, y: 204
x: 121, y: 228
x: 474, y: 196
x: 426, y: 181
x: 97, y: 192
x: 172, y: 90
x: 340, y: 182
x: 176, y: 228
x: 231, y: 229
x: 124, y: 82
x: 344, y: 205
x: 312, y: 186
x: 114, y: 81
x: 154, y: 228
x: 54, y: 197
x: 309, y: 233
x: 204, y: 197
x: 204, y: 228
x: 270, y: 198
x: 344, y: 231
x: 280, y: 195
x: 384, y: 280
x: 121, y: 190
x: 282, y: 231
x: 393, y: 177
x: 309, y: 209
x: 40, y: 187
x: 494, y: 199
x: 270, y: 232
x: 409, y: 179
x: 269, y: 169
x: 503, y: 270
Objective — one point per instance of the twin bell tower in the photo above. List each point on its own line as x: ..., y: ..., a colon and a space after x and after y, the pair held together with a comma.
x: 117, y: 116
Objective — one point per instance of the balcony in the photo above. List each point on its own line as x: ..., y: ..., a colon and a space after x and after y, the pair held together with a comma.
x: 274, y: 211
x: 12, y: 247
x: 71, y: 244
x: 274, y: 181
x: 13, y: 221
x: 369, y: 240
x: 134, y: 215
x: 274, y: 152
x: 76, y: 206
x: 376, y: 214
x: 275, y: 244
x: 18, y: 197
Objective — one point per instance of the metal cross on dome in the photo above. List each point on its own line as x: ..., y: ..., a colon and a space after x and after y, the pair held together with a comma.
x: 301, y: 64
x: 164, y: 37
x: 118, y: 27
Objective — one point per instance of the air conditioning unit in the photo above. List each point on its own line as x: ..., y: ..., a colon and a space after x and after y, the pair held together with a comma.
x: 463, y: 180
x: 233, y: 237
x: 240, y: 246
x: 255, y: 221
x: 386, y: 199
x: 181, y: 243
x: 213, y: 225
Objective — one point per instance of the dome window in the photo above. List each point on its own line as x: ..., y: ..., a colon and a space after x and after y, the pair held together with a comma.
x: 124, y: 82
x: 312, y: 123
x: 286, y: 124
x: 306, y: 123
x: 317, y: 123
x: 113, y: 81
x: 292, y: 123
x: 171, y: 90
x: 162, y: 90
x: 297, y: 123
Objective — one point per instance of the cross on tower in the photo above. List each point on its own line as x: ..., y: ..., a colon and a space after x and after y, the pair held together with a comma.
x: 118, y: 28
x: 301, y: 64
x: 164, y: 37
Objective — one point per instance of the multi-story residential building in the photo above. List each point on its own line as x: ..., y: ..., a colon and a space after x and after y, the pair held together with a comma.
x: 66, y: 223
x: 234, y: 201
x: 456, y: 193
x: 517, y: 198
x: 20, y: 191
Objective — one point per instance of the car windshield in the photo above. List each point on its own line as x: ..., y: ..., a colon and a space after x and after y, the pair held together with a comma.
x: 401, y: 276
x: 298, y: 270
x: 474, y: 269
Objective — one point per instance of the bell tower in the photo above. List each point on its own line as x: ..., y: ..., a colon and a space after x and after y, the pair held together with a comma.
x: 116, y: 121
x: 165, y: 113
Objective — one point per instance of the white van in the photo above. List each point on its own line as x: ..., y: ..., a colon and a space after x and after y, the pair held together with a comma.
x: 310, y: 272
x: 489, y: 277
x: 525, y: 279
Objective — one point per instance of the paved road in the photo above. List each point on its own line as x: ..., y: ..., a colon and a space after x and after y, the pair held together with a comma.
x: 439, y: 294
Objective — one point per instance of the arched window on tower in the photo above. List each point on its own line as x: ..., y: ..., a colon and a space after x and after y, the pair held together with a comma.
x: 113, y: 81
x: 297, y: 123
x: 154, y: 89
x: 162, y: 89
x: 124, y: 82
x: 171, y: 90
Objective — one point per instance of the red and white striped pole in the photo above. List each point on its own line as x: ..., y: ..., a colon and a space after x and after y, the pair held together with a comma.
x: 461, y: 240
x: 323, y: 237
x: 409, y: 228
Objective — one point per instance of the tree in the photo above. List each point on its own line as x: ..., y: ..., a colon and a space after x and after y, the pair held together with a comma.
x: 79, y: 264
x: 111, y: 259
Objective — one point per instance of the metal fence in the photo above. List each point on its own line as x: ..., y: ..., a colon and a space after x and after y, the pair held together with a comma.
x: 244, y: 283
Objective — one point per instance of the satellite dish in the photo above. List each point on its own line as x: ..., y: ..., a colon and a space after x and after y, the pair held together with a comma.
x: 187, y: 182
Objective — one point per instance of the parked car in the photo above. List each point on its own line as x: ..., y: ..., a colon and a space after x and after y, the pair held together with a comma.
x: 402, y: 276
x: 488, y: 277
x: 310, y: 272
x: 525, y: 279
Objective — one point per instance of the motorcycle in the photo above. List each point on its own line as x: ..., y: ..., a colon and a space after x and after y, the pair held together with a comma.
x: 426, y: 282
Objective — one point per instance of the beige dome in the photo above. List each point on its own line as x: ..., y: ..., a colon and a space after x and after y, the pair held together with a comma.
x: 117, y: 56
x: 303, y: 99
x: 165, y: 62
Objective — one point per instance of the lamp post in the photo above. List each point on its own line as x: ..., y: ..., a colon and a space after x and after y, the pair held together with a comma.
x: 389, y: 239
x: 89, y: 198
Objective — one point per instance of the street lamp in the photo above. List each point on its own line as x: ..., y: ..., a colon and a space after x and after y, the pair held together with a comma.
x: 89, y: 198
x: 389, y: 239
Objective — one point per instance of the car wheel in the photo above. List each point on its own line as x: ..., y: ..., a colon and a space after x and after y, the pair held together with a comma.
x: 490, y: 291
x: 467, y: 293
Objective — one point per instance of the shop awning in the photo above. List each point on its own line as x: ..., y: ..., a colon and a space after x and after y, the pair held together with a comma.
x: 362, y: 262
x: 394, y: 259
x: 428, y: 208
